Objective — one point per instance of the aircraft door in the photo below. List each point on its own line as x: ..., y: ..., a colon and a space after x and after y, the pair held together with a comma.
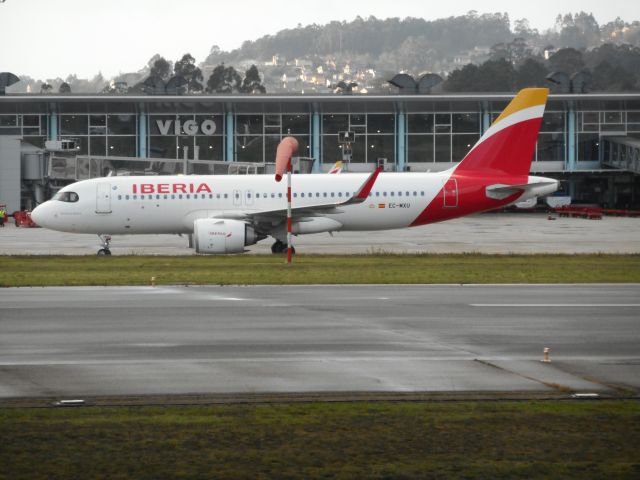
x: 451, y: 193
x: 103, y: 198
x: 237, y: 198
x: 248, y: 195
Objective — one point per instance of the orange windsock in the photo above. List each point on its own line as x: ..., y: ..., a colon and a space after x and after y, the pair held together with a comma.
x: 287, y: 147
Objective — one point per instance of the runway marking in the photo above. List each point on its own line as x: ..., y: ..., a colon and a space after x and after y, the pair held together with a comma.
x: 571, y: 305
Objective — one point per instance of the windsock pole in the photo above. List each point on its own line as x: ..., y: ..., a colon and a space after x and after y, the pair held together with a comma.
x: 289, y: 220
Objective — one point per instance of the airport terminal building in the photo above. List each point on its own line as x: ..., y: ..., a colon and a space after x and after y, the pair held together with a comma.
x: 592, y: 141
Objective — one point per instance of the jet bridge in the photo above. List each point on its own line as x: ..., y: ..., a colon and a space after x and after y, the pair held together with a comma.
x: 621, y: 153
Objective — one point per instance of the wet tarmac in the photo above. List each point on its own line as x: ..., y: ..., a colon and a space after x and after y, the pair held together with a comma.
x: 79, y: 341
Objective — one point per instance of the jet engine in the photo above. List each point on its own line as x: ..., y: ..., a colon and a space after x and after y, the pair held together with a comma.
x: 219, y: 235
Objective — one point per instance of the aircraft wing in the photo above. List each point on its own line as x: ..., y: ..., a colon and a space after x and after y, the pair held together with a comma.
x: 276, y: 215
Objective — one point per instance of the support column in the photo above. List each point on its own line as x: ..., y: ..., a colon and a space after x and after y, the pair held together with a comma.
x: 53, y: 126
x: 570, y: 138
x: 315, y: 142
x: 142, y: 135
x: 229, y: 134
x: 486, y: 117
x: 401, y: 141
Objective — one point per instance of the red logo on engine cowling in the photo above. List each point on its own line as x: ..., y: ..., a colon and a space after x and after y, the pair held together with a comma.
x: 171, y: 188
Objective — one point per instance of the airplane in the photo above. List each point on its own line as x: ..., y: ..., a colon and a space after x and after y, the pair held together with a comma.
x: 225, y: 214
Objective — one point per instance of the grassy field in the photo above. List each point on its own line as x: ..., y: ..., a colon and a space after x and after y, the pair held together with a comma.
x: 527, y: 439
x: 317, y: 269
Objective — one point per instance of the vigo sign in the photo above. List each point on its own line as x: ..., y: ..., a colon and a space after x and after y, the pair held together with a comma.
x: 190, y: 127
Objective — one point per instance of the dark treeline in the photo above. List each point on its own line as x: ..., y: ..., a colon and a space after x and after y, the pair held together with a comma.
x: 610, y: 68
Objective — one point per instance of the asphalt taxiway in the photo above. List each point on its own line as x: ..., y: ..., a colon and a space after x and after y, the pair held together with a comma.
x: 80, y: 341
x: 486, y: 233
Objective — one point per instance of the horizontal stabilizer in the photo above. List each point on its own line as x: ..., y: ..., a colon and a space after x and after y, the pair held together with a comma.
x: 500, y: 191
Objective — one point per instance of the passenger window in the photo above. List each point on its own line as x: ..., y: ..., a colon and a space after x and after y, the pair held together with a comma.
x: 391, y: 193
x: 422, y: 193
x: 166, y: 197
x: 415, y: 194
x: 302, y: 195
x: 324, y: 194
x: 384, y: 194
x: 279, y: 195
x: 119, y: 197
x: 377, y: 194
x: 126, y: 197
x: 226, y: 195
x: 135, y: 197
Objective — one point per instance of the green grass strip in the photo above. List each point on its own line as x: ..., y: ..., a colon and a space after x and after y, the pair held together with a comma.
x: 528, y: 439
x: 17, y: 271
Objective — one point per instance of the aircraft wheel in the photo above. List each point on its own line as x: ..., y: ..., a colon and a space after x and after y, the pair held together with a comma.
x: 104, y: 251
x: 278, y: 247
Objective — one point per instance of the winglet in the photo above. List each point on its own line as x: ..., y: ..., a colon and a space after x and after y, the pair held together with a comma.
x: 362, y: 194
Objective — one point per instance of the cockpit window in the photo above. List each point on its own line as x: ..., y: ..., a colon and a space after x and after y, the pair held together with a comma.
x: 70, y: 197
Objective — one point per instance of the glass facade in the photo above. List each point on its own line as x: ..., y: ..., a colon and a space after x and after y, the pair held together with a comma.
x: 374, y: 136
x: 33, y: 128
x: 417, y: 134
x: 257, y: 136
x: 170, y: 134
x: 592, y: 125
x: 111, y: 135
x: 441, y: 137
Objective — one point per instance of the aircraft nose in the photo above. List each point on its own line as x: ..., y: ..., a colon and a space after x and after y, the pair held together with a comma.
x: 39, y: 214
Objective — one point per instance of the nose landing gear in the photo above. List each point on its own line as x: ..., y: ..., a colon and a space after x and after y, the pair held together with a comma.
x: 105, y: 241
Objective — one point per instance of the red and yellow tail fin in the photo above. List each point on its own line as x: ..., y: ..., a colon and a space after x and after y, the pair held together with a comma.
x: 508, y: 146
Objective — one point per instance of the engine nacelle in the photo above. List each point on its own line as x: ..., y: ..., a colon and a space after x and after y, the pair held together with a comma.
x: 219, y: 235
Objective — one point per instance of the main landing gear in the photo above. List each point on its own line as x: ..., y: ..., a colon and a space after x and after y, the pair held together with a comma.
x: 281, y: 247
x: 105, y: 240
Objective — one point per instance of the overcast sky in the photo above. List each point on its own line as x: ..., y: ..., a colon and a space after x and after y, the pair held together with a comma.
x: 53, y: 38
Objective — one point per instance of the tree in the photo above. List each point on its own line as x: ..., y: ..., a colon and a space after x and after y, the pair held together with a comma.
x: 495, y: 76
x: 64, y: 88
x: 609, y: 78
x: 252, y: 82
x: 161, y: 68
x: 568, y: 60
x: 186, y: 67
x: 224, y: 80
x: 46, y: 88
x: 216, y: 79
x: 531, y: 74
x: 462, y: 80
x: 232, y: 80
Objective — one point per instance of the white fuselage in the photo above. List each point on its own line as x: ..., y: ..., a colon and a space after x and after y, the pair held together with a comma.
x: 117, y: 205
